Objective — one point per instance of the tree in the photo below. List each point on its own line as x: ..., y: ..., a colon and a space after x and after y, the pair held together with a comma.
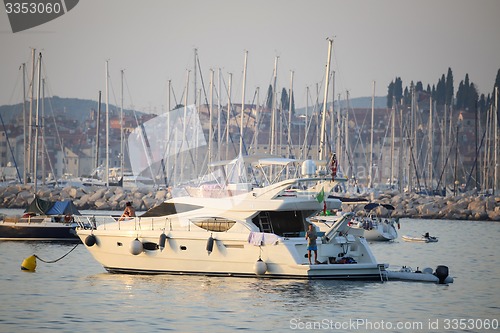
x: 269, y: 98
x: 449, y: 89
x: 285, y: 102
x: 394, y: 91
x: 390, y: 94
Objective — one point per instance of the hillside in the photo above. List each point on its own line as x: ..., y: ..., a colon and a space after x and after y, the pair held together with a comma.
x: 72, y: 108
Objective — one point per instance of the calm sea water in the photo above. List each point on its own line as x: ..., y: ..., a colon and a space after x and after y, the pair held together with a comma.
x: 76, y: 294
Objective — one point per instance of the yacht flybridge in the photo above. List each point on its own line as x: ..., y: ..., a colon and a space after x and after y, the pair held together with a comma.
x: 259, y: 233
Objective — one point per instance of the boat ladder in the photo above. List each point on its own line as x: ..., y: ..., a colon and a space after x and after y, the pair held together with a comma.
x: 382, y: 272
x: 265, y: 223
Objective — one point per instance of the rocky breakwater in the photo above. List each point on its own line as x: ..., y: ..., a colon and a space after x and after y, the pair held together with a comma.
x: 468, y: 206
x: 86, y: 198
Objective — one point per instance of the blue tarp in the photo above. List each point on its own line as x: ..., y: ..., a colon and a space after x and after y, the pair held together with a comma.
x: 63, y: 208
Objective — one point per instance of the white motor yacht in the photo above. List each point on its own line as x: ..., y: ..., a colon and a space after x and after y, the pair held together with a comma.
x: 259, y: 233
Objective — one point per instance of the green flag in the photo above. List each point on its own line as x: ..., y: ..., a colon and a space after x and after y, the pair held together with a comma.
x: 321, y: 195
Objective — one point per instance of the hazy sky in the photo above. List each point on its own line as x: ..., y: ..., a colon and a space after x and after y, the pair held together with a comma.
x: 154, y: 40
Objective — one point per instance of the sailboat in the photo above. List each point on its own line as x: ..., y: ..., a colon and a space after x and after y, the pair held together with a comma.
x: 42, y: 221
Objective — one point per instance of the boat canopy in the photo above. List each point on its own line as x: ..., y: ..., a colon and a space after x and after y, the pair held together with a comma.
x: 373, y: 205
x: 169, y: 208
x: 63, y: 208
x: 40, y: 206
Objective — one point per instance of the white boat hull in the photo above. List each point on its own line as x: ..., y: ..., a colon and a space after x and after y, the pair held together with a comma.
x: 186, y: 253
x: 419, y: 239
x: 413, y: 276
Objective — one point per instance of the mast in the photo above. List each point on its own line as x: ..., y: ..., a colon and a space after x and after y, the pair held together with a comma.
x: 332, y: 117
x: 370, y: 169
x: 431, y: 142
x: 210, y: 116
x: 25, y: 156
x: 122, y: 150
x: 107, y: 127
x: 273, y: 111
x: 168, y: 132
x: 339, y: 134
x: 42, y: 142
x: 185, y: 123
x: 30, y: 116
x: 243, y: 102
x: 228, y: 118
x: 346, y: 133
x: 37, y: 121
x: 393, y: 134
x: 98, y: 122
x: 219, y: 115
x: 257, y: 122
x: 495, y: 158
x: 322, y: 144
x: 290, y: 147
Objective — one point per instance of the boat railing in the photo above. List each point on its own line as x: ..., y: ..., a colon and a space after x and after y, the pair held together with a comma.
x: 92, y: 221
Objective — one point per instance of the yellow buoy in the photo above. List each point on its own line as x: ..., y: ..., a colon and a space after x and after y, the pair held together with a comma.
x: 29, y: 264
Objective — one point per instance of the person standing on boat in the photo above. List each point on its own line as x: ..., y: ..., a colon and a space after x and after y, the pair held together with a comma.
x: 311, y: 237
x: 128, y: 212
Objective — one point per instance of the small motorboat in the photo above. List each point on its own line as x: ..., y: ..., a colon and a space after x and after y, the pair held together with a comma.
x: 426, y: 238
x: 440, y: 275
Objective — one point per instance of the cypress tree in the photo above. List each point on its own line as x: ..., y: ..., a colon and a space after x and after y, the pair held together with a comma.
x: 449, y: 89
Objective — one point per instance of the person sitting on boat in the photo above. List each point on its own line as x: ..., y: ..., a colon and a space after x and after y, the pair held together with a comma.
x: 311, y: 237
x: 333, y: 166
x: 128, y: 212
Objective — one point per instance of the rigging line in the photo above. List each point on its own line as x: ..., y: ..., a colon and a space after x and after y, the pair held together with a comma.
x: 58, y: 135
x: 313, y: 120
x: 227, y: 118
x: 478, y: 152
x: 20, y: 75
x: 407, y: 133
x: 56, y: 260
x: 359, y: 138
x: 10, y: 149
x: 446, y: 163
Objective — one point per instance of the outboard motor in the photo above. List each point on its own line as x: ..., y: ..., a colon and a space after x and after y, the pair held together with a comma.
x: 441, y: 273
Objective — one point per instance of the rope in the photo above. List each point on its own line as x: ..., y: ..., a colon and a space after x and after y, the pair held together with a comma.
x: 53, y: 261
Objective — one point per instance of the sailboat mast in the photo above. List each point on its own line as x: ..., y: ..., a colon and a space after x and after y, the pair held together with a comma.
x: 42, y: 128
x: 332, y: 115
x: 228, y: 118
x: 29, y: 150
x: 322, y: 143
x: 243, y: 102
x: 393, y: 132
x: 37, y: 121
x: 98, y: 123
x: 290, y: 147
x: 431, y: 142
x: 495, y: 123
x: 219, y: 115
x: 25, y: 164
x: 370, y: 168
x: 257, y: 121
x: 107, y: 127
x: 273, y: 111
x: 122, y: 150
x: 339, y: 134
x: 184, y: 120
x: 210, y: 116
